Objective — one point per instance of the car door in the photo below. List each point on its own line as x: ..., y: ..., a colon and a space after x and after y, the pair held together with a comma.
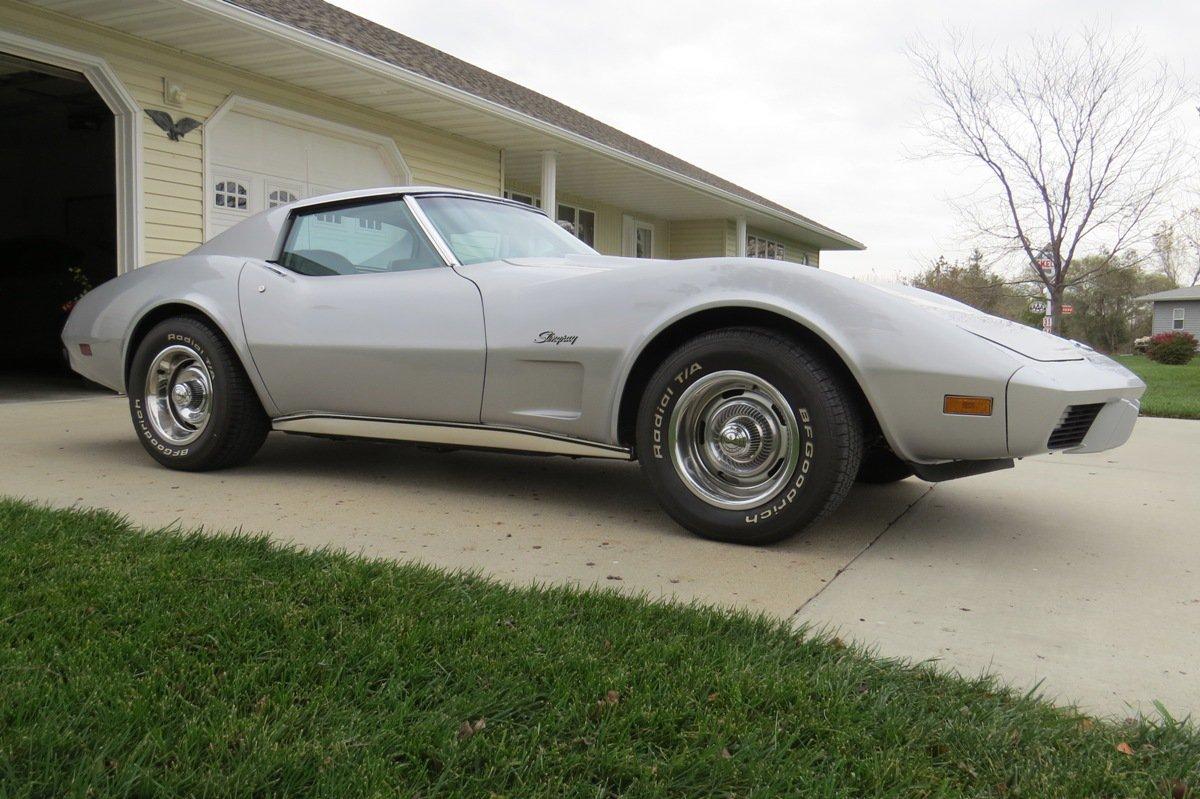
x: 359, y: 316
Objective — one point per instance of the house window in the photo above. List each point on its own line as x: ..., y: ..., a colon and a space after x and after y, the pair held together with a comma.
x: 278, y: 197
x: 332, y: 217
x: 230, y: 194
x: 367, y: 223
x: 1177, y: 319
x: 758, y: 247
x: 528, y: 199
x: 582, y: 221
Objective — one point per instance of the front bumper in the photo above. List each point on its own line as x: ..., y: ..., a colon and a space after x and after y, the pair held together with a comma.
x: 1039, y: 398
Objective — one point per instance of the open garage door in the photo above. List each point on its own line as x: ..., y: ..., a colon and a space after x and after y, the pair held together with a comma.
x: 58, y: 225
x: 260, y: 156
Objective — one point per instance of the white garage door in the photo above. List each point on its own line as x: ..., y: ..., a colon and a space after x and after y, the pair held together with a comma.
x: 256, y: 162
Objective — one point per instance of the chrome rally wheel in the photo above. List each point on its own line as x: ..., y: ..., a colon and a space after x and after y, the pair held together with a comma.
x: 748, y: 435
x: 192, y: 403
x: 734, y: 439
x: 178, y: 394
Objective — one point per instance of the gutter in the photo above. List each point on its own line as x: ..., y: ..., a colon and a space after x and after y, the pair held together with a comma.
x: 385, y: 69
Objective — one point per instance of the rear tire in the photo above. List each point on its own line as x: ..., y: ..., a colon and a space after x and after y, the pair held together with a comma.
x: 191, y: 402
x: 747, y: 437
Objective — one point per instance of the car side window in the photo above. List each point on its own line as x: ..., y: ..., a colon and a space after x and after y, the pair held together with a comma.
x: 357, y: 239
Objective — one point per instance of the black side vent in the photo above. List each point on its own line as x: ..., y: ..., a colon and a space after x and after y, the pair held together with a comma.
x: 1075, y: 424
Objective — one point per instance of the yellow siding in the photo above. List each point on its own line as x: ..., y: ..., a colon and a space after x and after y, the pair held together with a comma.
x: 173, y: 185
x: 698, y: 238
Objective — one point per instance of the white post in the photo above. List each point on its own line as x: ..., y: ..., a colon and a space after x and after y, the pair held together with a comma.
x: 740, y: 233
x: 549, y: 177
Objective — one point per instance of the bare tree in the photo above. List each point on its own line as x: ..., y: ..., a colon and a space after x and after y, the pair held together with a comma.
x: 1168, y: 252
x: 1176, y: 248
x: 1075, y: 134
x: 1188, y: 235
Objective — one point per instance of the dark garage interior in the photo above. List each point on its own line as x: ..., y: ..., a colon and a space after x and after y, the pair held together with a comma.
x: 58, y: 206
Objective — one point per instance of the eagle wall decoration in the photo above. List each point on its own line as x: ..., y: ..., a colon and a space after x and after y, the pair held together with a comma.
x: 175, y: 130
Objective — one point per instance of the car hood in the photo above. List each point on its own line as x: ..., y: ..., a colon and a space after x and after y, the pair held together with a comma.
x: 1027, y: 341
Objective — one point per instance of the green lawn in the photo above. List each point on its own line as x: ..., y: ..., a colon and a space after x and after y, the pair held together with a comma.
x: 1172, y: 391
x: 168, y: 664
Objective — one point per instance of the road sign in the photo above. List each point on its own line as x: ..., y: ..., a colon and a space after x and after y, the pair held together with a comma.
x: 1037, y: 306
x: 1048, y: 324
x: 1067, y: 310
x: 1046, y: 266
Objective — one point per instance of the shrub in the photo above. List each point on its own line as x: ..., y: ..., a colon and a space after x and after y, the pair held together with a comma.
x: 1176, y: 347
x: 1141, y: 344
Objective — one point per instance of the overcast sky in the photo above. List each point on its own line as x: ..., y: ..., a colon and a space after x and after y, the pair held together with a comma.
x: 812, y: 104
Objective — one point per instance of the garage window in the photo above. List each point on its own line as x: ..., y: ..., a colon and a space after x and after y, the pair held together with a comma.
x: 278, y: 197
x: 1177, y: 319
x: 230, y: 194
x: 357, y: 239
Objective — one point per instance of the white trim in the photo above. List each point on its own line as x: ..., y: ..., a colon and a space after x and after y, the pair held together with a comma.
x: 739, y: 232
x: 454, y: 434
x: 385, y: 145
x: 127, y: 134
x: 382, y: 68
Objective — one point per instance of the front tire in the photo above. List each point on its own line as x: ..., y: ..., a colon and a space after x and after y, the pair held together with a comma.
x: 747, y: 437
x: 191, y: 402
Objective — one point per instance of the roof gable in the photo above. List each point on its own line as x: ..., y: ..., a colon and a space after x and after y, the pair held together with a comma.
x: 341, y: 27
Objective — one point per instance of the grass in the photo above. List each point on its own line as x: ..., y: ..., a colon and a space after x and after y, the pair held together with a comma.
x: 170, y: 663
x: 1172, y: 391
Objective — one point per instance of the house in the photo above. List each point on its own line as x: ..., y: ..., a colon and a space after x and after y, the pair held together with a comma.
x: 133, y: 130
x: 1176, y: 309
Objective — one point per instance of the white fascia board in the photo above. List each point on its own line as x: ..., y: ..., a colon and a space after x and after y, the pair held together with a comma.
x: 386, y: 69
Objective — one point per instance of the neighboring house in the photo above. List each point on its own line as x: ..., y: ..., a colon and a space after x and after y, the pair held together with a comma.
x: 298, y: 97
x: 1177, y: 309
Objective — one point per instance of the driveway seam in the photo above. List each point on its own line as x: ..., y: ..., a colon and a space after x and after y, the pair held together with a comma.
x: 862, y: 551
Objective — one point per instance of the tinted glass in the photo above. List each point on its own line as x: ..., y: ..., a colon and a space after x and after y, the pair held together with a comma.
x: 481, y: 230
x: 357, y: 239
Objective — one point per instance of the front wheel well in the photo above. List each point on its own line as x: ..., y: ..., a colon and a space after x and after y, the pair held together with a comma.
x: 682, y: 330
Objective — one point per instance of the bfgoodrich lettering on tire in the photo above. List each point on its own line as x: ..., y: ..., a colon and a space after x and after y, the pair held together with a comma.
x: 747, y: 436
x: 192, y: 405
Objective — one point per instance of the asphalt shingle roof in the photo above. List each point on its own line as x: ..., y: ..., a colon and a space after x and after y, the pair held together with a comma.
x: 342, y: 27
x: 1185, y: 293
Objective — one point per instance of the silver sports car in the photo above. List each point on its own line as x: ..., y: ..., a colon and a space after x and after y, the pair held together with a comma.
x: 753, y: 392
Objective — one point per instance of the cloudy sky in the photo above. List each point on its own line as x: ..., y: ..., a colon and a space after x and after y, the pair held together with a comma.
x: 812, y: 104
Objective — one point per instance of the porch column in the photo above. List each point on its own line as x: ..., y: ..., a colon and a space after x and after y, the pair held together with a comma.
x: 549, y: 178
x: 740, y: 233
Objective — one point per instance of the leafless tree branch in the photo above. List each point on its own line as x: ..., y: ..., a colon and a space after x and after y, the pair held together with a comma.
x: 1075, y: 133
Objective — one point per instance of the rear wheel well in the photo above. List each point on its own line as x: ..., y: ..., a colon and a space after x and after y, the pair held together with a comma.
x: 683, y: 330
x: 159, y: 314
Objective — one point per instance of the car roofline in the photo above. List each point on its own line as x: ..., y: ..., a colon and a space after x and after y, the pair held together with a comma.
x: 394, y: 191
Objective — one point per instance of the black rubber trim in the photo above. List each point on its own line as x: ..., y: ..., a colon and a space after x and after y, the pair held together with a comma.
x: 941, y: 472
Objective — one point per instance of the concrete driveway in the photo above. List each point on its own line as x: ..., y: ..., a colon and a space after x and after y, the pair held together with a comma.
x: 1080, y: 571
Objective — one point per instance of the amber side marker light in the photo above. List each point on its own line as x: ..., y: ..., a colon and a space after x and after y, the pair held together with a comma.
x: 967, y: 406
x: 85, y: 349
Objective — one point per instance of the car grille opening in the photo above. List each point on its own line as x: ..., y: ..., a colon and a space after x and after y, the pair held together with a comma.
x: 1074, y: 427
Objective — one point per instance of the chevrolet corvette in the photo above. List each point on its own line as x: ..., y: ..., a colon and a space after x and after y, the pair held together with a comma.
x: 752, y: 392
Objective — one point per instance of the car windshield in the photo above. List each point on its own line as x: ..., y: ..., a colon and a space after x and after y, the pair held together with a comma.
x: 482, y: 230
